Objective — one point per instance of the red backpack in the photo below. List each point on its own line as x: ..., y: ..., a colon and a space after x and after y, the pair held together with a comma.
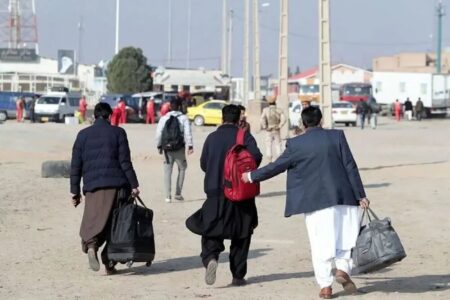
x: 237, y: 161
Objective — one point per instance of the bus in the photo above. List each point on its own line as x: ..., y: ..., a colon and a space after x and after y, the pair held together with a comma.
x: 354, y: 92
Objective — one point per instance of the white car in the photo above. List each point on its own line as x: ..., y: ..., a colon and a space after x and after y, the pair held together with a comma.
x: 295, y: 112
x: 344, y: 113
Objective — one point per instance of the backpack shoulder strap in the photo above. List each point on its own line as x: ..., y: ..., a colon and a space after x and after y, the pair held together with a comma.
x: 240, y: 136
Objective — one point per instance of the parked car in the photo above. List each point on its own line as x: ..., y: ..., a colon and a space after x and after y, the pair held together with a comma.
x: 8, y: 104
x: 344, y: 112
x: 138, y: 102
x: 55, y: 106
x: 207, y: 113
x: 295, y: 111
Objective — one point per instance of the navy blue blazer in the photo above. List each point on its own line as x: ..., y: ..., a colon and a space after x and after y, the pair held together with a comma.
x: 321, y: 172
x: 101, y: 156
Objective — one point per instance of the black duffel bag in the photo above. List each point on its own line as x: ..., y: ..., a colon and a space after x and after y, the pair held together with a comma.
x: 377, y: 246
x: 132, y: 239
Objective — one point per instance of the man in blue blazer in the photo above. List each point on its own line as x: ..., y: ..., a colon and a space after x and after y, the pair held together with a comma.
x: 323, y: 183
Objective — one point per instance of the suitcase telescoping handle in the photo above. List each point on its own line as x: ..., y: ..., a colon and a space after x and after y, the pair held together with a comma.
x: 367, y: 212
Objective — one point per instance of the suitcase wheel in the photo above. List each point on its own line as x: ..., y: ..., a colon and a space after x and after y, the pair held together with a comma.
x: 148, y: 264
x: 129, y: 263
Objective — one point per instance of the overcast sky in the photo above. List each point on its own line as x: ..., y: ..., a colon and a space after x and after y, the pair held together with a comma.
x: 361, y: 30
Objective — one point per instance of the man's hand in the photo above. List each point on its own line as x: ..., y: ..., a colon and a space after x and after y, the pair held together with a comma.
x: 364, y: 203
x: 135, y: 192
x: 245, y: 177
x: 76, y: 199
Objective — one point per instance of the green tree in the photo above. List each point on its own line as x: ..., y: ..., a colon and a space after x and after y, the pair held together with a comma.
x: 128, y: 72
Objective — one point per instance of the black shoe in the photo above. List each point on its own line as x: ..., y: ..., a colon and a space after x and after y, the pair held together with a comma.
x: 93, y: 260
x: 238, y: 282
x: 210, y: 274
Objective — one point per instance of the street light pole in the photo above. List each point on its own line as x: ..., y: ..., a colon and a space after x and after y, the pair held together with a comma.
x: 245, y: 72
x: 440, y: 13
x: 224, y: 56
x: 325, y: 62
x: 256, y: 52
x: 283, y: 99
x: 169, y: 39
x: 230, y: 39
x: 188, y: 52
x: 117, y: 25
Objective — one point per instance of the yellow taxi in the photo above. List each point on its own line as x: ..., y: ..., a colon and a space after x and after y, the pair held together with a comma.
x: 207, y: 113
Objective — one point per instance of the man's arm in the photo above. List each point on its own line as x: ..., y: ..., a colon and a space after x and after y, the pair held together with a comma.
x: 76, y: 167
x: 263, y: 119
x: 188, y: 133
x: 125, y: 160
x: 204, y: 156
x: 279, y: 166
x: 351, y: 168
x: 252, y: 147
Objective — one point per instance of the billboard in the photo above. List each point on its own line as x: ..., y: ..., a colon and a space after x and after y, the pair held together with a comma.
x: 66, y: 61
x: 18, y: 55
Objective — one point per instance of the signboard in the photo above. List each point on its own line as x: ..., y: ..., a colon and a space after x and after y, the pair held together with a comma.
x: 66, y: 61
x: 18, y: 55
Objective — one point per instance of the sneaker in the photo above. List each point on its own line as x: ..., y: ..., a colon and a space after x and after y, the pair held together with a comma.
x: 210, y: 274
x: 168, y: 200
x: 93, y: 260
x: 179, y: 198
x: 238, y: 282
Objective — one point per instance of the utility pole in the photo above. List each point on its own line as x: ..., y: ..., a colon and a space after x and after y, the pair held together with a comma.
x: 256, y: 53
x: 230, y: 39
x: 188, y: 52
x: 246, y: 52
x: 224, y: 56
x: 117, y: 25
x: 169, y: 38
x: 283, y: 99
x: 440, y: 14
x: 325, y: 62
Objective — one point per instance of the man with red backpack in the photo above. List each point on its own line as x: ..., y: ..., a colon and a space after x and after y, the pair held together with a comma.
x: 220, y: 217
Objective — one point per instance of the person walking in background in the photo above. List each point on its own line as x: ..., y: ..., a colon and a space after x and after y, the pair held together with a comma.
x: 419, y: 110
x: 362, y: 109
x: 219, y: 218
x: 397, y: 110
x: 116, y: 114
x: 408, y: 109
x: 330, y: 204
x: 374, y: 110
x: 173, y: 135
x: 243, y: 119
x: 20, y: 106
x: 82, y: 107
x: 150, y: 116
x: 272, y: 119
x: 165, y: 108
x: 32, y: 105
x: 123, y: 111
x: 101, y: 156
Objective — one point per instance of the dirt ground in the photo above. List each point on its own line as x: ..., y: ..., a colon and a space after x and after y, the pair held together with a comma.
x: 405, y: 168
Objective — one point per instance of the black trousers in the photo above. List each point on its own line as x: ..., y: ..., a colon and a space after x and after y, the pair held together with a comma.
x: 211, y: 248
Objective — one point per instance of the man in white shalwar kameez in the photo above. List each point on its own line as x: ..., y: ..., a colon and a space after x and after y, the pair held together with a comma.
x: 323, y: 183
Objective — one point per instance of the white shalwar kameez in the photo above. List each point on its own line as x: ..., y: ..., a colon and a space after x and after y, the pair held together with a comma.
x: 332, y: 234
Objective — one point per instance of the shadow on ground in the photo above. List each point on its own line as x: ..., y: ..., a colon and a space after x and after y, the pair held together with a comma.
x: 403, y: 165
x: 182, y: 264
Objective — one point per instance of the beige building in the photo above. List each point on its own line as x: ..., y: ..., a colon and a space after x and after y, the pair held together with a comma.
x: 411, y: 63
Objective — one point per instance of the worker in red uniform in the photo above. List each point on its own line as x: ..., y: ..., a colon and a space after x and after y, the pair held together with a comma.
x: 20, y: 105
x: 165, y: 108
x: 150, y: 119
x: 397, y: 110
x: 82, y: 108
x: 115, y: 117
x: 123, y: 111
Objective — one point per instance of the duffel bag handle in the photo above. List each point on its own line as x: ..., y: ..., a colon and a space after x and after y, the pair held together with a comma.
x: 368, y: 212
x: 137, y: 199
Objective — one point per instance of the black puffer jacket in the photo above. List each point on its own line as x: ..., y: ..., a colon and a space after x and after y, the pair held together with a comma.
x: 101, y: 156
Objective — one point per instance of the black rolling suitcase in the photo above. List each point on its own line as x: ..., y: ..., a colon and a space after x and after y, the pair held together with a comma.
x: 132, y: 239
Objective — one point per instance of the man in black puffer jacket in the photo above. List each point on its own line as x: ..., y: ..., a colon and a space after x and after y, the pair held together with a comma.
x: 101, y: 156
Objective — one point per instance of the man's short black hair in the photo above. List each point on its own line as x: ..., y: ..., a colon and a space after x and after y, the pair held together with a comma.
x: 231, y: 114
x: 241, y: 107
x: 175, y: 104
x: 311, y: 116
x: 102, y: 110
